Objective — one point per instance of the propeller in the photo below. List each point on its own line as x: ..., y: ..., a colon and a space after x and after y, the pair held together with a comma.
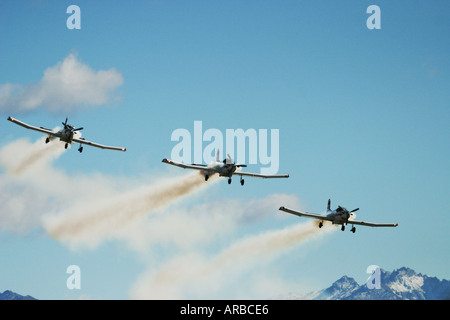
x: 65, y: 123
x: 354, y: 210
x: 229, y: 160
x: 69, y: 126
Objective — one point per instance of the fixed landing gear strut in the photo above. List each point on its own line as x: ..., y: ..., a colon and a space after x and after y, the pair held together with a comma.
x: 241, y: 181
x: 353, y: 229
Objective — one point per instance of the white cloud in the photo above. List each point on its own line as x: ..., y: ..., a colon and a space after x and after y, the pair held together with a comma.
x: 68, y: 85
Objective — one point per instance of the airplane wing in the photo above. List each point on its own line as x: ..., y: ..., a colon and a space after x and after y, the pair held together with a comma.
x: 187, y: 166
x: 258, y: 175
x: 305, y: 214
x: 93, y: 144
x: 27, y: 126
x: 371, y: 224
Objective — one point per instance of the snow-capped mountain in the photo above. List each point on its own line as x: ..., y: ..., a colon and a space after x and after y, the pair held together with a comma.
x: 401, y: 284
x: 9, y: 295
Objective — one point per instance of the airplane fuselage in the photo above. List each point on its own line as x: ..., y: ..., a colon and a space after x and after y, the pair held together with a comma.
x: 342, y: 217
x: 224, y: 170
x: 67, y: 135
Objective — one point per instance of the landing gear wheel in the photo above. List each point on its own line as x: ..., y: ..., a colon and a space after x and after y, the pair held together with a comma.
x: 242, y: 182
x: 47, y: 140
x: 65, y: 147
x: 343, y: 228
x: 353, y: 229
x: 206, y: 178
x: 320, y: 224
x: 80, y: 149
x: 229, y: 180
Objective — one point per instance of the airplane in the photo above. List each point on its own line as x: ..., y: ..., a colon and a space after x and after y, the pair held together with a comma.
x: 225, y: 168
x: 67, y: 134
x: 338, y: 216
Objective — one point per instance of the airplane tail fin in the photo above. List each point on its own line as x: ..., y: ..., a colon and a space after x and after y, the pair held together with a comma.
x: 329, y: 205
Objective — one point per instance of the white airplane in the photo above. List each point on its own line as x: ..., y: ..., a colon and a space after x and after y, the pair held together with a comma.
x: 67, y: 134
x: 225, y: 168
x: 338, y: 216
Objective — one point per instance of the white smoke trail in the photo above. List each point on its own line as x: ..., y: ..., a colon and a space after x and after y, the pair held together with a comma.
x: 19, y: 156
x: 201, y: 276
x: 265, y: 244
x: 89, y: 223
x: 78, y: 209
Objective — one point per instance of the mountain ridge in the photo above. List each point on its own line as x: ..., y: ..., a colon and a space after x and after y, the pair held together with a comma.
x: 10, y: 295
x: 401, y: 284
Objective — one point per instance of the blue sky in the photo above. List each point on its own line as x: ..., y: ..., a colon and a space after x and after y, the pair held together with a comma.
x: 362, y: 115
